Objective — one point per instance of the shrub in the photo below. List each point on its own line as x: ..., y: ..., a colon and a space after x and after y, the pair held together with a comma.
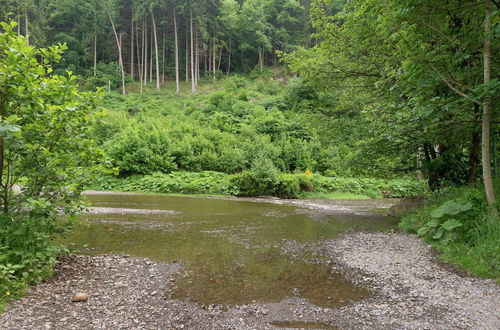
x: 46, y: 149
x: 288, y: 186
x: 260, y: 180
x: 141, y: 150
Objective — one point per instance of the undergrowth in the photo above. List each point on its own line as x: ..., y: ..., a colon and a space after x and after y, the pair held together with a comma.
x: 457, y: 223
x: 259, y: 181
x: 27, y: 256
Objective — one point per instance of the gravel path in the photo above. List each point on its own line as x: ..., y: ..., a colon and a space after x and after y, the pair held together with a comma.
x: 410, y: 291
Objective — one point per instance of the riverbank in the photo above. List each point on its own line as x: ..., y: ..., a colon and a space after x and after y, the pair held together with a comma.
x: 297, y: 185
x: 409, y: 289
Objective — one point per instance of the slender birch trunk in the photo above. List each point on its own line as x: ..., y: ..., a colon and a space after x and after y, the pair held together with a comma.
x: 163, y: 53
x: 145, y: 43
x: 132, y: 49
x: 214, y: 53
x: 177, y: 87
x: 27, y: 29
x: 229, y: 58
x: 95, y: 53
x: 156, y: 52
x: 220, y: 59
x: 486, y: 118
x: 151, y: 55
x: 139, y: 60
x: 210, y: 56
x: 197, y: 60
x: 193, y: 78
x: 187, y: 55
x: 120, y: 59
x: 205, y: 62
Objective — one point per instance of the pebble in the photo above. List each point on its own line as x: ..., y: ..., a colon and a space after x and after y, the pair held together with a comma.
x: 80, y: 297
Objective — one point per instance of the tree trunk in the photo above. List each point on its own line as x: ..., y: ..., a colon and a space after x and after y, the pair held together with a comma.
x: 5, y: 198
x: 229, y: 58
x: 197, y: 60
x: 151, y: 55
x: 177, y: 87
x: 120, y: 59
x: 187, y: 55
x: 139, y: 61
x: 485, y: 143
x: 209, y: 55
x: 220, y: 59
x: 95, y: 53
x: 193, y: 84
x: 261, y: 59
x: 156, y: 52
x: 27, y: 30
x: 145, y: 68
x: 163, y: 53
x: 214, y: 50
x: 132, y: 49
x: 474, y: 158
x: 205, y: 62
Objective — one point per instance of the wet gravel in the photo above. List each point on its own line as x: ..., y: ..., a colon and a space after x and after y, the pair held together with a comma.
x: 410, y: 290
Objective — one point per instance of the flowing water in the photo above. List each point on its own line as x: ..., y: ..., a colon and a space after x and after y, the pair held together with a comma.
x: 231, y: 250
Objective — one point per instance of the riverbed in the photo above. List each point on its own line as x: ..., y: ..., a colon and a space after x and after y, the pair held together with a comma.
x: 156, y: 261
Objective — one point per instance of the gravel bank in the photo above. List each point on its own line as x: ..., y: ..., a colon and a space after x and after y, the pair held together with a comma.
x: 410, y: 291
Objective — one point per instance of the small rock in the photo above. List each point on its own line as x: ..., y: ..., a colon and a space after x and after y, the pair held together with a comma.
x: 80, y: 297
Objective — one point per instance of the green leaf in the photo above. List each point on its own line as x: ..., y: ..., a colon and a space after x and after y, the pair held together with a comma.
x: 422, y: 231
x: 451, y: 208
x: 451, y: 224
x: 439, y: 233
x: 433, y: 223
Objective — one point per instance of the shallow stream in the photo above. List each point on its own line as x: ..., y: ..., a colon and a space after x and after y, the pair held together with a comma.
x: 231, y: 250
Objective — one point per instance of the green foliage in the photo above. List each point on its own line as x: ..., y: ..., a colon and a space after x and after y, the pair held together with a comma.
x: 140, y: 150
x: 27, y: 254
x: 402, y: 75
x: 288, y: 186
x: 457, y: 223
x: 261, y: 179
x: 175, y: 182
x: 46, y: 150
x: 107, y: 75
x: 371, y: 187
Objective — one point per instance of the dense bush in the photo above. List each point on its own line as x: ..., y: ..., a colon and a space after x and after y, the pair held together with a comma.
x: 141, y: 150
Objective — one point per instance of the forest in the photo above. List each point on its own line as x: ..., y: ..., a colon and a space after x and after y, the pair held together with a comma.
x: 289, y: 98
